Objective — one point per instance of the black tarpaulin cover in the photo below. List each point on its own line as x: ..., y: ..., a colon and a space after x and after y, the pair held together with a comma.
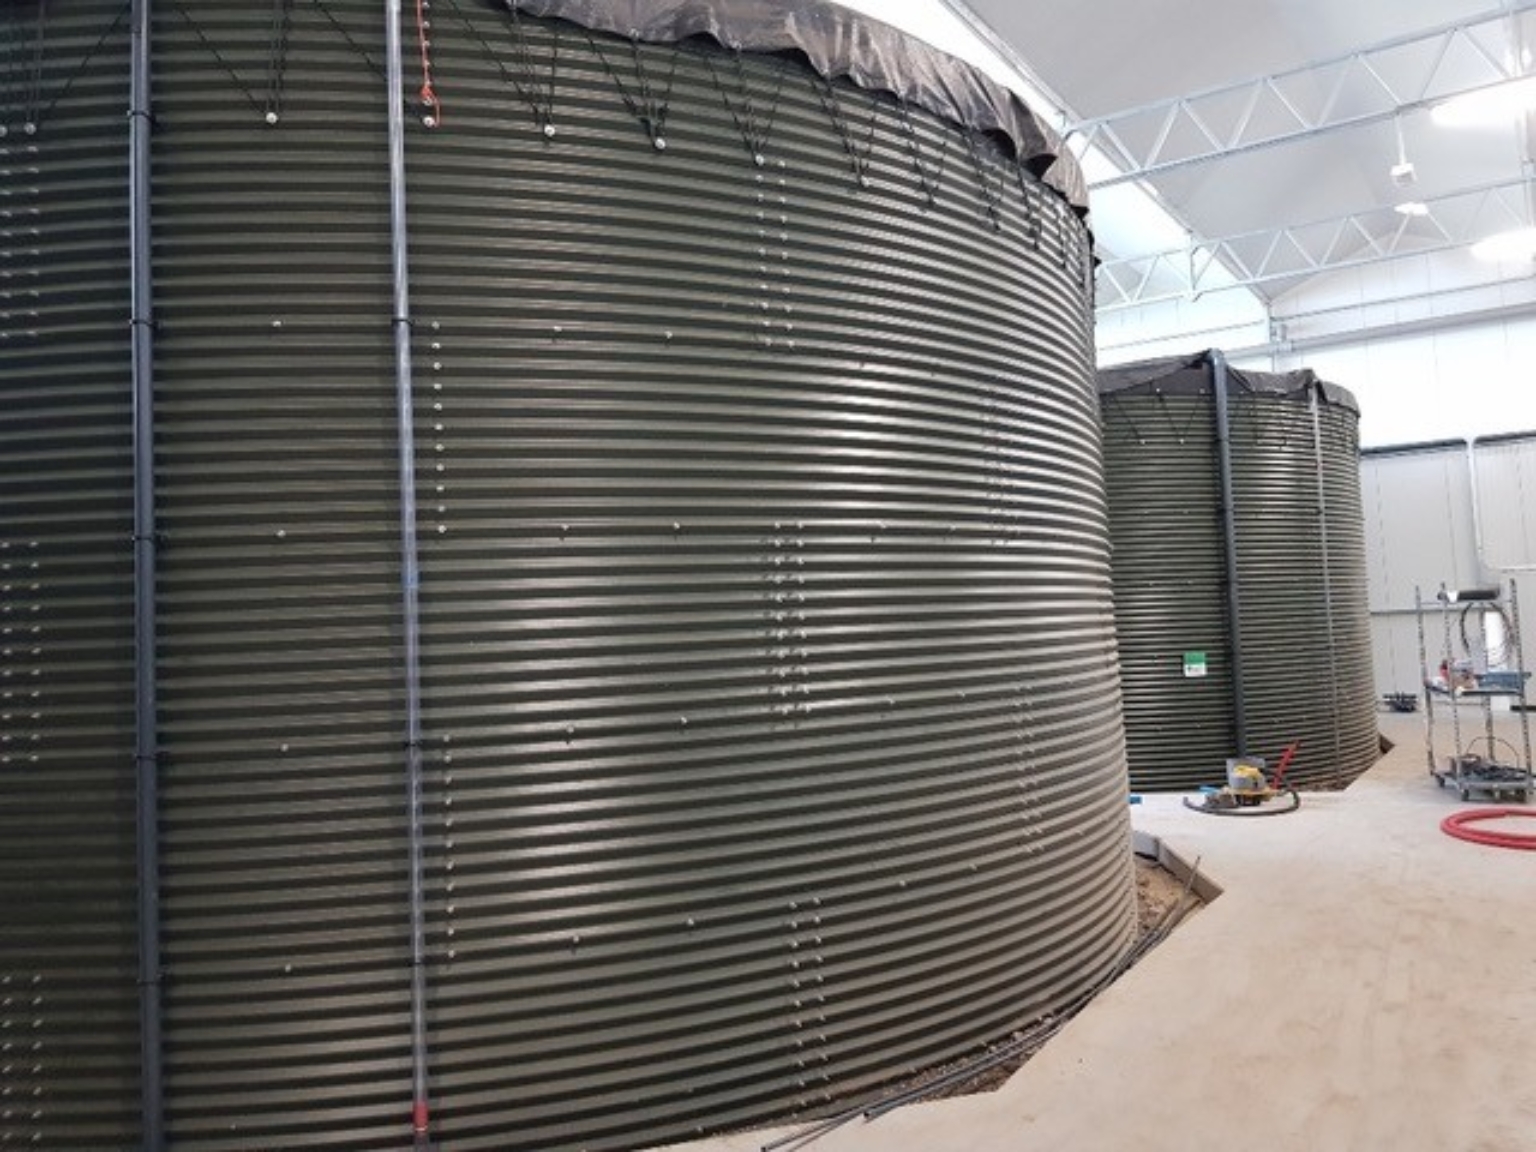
x: 1192, y: 374
x: 839, y: 42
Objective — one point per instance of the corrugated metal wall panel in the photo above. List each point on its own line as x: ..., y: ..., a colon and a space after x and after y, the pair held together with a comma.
x: 1302, y: 669
x: 1170, y: 588
x: 283, y: 794
x: 771, y: 693
x: 1505, y: 512
x: 68, y: 979
x: 1419, y: 533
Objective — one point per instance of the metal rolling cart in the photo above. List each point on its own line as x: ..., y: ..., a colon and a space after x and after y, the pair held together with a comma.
x: 1480, y: 674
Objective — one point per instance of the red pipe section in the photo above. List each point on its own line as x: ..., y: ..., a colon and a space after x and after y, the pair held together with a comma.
x: 1458, y: 825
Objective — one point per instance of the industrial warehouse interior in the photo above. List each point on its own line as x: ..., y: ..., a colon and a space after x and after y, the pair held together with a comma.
x: 742, y: 576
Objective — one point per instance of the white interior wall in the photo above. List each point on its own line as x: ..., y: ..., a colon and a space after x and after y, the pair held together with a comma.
x: 1449, y: 514
x: 1429, y: 350
x: 1226, y: 320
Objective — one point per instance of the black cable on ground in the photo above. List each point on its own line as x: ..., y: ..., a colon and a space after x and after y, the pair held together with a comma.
x: 1248, y: 812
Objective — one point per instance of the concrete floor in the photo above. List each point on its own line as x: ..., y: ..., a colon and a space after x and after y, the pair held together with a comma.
x: 1365, y: 982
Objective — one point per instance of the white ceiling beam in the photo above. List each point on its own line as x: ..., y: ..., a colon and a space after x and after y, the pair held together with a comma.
x: 1349, y: 241
x: 1114, y: 132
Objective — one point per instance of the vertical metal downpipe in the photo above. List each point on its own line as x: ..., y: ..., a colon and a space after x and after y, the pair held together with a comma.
x: 1478, y: 550
x: 146, y: 740
x: 410, y: 571
x: 1322, y: 528
x: 1229, y: 546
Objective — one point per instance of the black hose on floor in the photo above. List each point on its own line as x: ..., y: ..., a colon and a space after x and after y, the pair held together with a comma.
x: 1247, y: 813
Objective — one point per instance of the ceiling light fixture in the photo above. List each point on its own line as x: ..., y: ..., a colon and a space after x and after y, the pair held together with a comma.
x: 1402, y: 172
x: 1411, y: 208
x: 1494, y: 105
x: 1507, y: 247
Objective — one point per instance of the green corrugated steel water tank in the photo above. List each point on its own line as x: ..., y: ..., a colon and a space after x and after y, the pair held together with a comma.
x: 771, y: 713
x: 68, y: 978
x: 1303, y: 662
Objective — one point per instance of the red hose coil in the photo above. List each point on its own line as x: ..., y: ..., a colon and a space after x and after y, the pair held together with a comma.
x: 1457, y: 825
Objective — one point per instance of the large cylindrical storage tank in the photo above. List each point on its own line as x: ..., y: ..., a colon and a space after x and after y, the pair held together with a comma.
x: 1245, y: 632
x: 769, y: 735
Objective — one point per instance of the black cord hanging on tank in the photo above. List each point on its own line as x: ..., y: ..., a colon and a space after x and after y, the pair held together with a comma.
x: 755, y: 129
x: 1112, y: 400
x: 542, y: 103
x: 277, y: 58
x: 336, y: 24
x: 1028, y: 191
x: 30, y: 50
x: 646, y: 107
x: 928, y: 180
x: 1059, y: 215
x: 858, y: 153
x: 35, y: 71
x: 1180, y: 432
x: 212, y: 50
x: 1264, y: 417
x: 991, y: 186
x: 539, y: 96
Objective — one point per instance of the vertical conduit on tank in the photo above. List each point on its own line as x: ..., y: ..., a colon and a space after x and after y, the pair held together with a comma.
x: 146, y: 739
x: 1229, y: 548
x: 1335, y: 712
x: 410, y: 565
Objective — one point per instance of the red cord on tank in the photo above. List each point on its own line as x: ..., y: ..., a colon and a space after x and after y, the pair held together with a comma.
x: 429, y: 99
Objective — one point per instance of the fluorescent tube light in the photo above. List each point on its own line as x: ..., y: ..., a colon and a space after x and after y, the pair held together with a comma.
x: 1494, y: 105
x: 1516, y: 244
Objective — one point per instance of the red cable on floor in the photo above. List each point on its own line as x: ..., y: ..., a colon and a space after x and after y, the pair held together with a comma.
x: 1457, y: 823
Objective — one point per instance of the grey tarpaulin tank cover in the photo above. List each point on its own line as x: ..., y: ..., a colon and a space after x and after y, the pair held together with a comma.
x: 840, y: 43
